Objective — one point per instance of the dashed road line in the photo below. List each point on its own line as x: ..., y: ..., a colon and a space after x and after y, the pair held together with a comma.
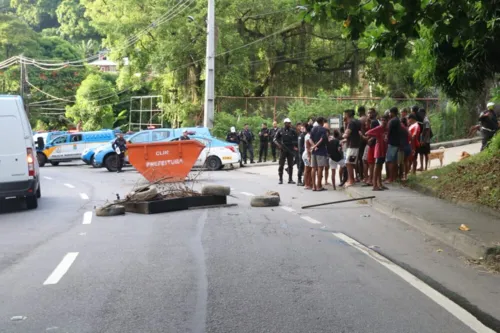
x: 87, y: 218
x: 69, y: 185
x: 310, y: 219
x: 288, y: 209
x: 248, y: 194
x: 61, y: 269
x: 84, y: 196
x: 453, y: 308
x: 48, y: 178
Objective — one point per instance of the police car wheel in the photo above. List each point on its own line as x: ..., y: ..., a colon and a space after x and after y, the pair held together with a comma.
x: 42, y: 159
x: 213, y: 163
x: 54, y: 163
x: 110, y: 163
x: 92, y: 161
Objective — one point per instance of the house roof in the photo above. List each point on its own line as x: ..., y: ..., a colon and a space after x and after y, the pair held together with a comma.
x: 103, y: 63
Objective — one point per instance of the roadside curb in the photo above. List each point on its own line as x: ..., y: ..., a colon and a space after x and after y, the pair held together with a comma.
x: 462, y: 242
x: 455, y: 143
x: 467, y: 205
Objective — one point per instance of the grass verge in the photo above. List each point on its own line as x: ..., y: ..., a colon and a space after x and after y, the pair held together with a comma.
x: 474, y: 180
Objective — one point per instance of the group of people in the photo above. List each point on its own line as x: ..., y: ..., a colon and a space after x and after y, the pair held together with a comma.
x: 359, y: 150
x: 245, y: 138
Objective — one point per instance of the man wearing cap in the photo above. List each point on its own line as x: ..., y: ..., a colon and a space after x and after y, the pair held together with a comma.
x: 488, y: 125
x: 184, y: 136
x: 286, y: 140
x: 233, y: 137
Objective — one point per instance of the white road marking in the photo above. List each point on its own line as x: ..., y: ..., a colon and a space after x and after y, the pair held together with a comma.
x: 84, y: 196
x: 310, y: 220
x: 69, y: 185
x: 87, y: 218
x: 288, y: 209
x: 61, y: 269
x: 453, y: 308
x: 248, y: 194
x: 82, y: 234
x: 49, y: 178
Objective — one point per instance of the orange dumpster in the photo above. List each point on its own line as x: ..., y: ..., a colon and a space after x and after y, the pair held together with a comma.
x: 165, y: 161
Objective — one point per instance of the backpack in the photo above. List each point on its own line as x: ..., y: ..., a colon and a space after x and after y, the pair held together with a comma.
x: 335, y: 150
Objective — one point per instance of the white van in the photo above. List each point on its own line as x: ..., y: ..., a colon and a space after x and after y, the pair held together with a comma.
x: 19, y: 171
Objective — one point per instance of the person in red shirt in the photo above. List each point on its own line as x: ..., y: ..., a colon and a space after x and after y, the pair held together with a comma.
x: 380, y: 134
x: 415, y: 135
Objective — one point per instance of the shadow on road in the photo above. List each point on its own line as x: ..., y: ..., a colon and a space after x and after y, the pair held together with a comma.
x: 12, y: 206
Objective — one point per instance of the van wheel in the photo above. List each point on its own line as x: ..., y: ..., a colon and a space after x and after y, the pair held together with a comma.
x: 54, y: 163
x: 39, y: 192
x: 32, y: 202
x: 110, y: 163
x: 213, y: 163
x: 42, y: 159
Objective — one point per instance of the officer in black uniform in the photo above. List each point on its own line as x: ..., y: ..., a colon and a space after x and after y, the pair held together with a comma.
x: 264, y: 142
x: 120, y: 146
x: 272, y: 134
x: 286, y: 140
x: 233, y: 137
x: 247, y: 137
x: 184, y: 136
x: 300, y: 162
x: 488, y: 125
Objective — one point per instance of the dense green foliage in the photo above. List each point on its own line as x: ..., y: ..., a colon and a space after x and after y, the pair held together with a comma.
x: 324, y: 49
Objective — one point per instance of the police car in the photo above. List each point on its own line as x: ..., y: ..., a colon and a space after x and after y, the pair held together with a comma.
x: 69, y: 147
x: 105, y: 156
x: 216, y: 154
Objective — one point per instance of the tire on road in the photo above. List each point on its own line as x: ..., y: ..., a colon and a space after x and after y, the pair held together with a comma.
x: 217, y: 190
x: 265, y: 201
x: 144, y: 193
x: 110, y: 210
x: 54, y: 163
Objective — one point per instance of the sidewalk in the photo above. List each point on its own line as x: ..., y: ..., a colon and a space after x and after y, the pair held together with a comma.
x: 437, y: 218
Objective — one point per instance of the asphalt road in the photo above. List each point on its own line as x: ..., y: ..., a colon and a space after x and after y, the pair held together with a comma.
x: 237, y: 269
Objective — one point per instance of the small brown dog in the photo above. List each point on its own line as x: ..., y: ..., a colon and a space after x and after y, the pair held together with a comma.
x: 436, y: 155
x: 464, y: 155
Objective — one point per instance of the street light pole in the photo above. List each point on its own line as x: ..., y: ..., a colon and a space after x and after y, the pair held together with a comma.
x: 208, y: 120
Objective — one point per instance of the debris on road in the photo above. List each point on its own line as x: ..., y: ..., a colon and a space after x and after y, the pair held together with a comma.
x: 270, y: 199
x: 339, y: 201
x: 216, y: 190
x: 113, y: 210
x: 464, y: 227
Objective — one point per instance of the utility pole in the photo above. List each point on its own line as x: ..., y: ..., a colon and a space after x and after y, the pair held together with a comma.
x: 21, y: 81
x: 208, y: 120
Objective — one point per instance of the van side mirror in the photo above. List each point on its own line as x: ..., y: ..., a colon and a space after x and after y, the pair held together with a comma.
x: 40, y: 143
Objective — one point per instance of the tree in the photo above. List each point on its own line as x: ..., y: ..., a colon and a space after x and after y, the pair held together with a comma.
x: 93, y: 105
x: 463, y: 35
x: 40, y: 14
x: 16, y: 37
x: 74, y: 24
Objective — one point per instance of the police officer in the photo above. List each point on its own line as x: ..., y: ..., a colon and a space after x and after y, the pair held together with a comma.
x: 272, y: 134
x: 120, y: 147
x: 286, y: 141
x: 184, y: 136
x: 488, y: 125
x: 264, y: 142
x: 247, y: 137
x: 233, y: 137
